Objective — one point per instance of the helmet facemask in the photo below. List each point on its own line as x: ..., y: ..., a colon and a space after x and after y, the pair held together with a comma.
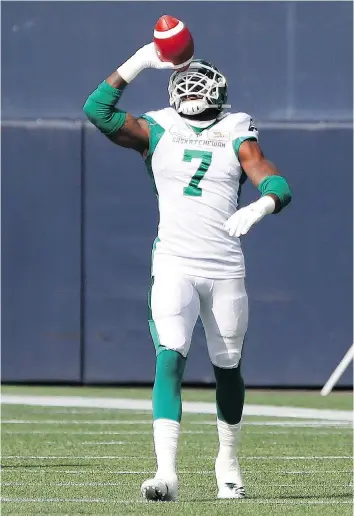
x: 200, y: 87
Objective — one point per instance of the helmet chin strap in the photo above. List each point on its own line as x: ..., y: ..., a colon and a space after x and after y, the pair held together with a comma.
x: 193, y: 107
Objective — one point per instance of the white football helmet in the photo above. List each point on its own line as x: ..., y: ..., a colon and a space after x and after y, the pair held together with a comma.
x: 198, y: 88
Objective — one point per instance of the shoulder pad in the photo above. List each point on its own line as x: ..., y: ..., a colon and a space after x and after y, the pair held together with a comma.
x: 163, y: 117
x: 241, y: 122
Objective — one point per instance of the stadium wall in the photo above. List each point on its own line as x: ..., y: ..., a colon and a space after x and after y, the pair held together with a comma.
x: 79, y: 214
x: 79, y: 219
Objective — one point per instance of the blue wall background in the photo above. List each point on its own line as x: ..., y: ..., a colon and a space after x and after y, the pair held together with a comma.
x: 76, y: 240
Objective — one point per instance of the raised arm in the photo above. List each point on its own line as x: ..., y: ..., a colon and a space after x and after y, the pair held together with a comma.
x: 119, y: 126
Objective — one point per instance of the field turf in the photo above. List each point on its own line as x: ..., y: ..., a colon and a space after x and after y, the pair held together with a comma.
x: 77, y: 461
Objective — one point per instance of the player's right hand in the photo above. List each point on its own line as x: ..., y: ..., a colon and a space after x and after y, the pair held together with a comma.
x: 145, y: 57
x: 149, y: 58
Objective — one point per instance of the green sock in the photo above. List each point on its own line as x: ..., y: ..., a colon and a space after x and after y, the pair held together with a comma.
x: 166, y: 394
x: 230, y: 394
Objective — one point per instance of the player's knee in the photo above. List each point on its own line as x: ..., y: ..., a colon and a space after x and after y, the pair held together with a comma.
x: 180, y: 346
x: 225, y: 352
x: 227, y: 359
x: 173, y: 336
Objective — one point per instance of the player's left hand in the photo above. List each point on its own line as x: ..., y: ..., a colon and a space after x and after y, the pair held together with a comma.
x: 241, y: 222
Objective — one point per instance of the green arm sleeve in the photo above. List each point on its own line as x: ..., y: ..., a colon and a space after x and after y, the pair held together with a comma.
x: 278, y: 186
x: 99, y: 109
x: 156, y: 133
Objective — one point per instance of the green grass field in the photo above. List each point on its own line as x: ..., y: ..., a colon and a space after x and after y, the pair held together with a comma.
x: 73, y: 461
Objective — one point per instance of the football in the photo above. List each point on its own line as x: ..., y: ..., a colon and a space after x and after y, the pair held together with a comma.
x: 173, y: 41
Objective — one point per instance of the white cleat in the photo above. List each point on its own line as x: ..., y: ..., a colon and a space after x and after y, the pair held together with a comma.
x: 230, y: 490
x: 229, y: 479
x: 159, y: 490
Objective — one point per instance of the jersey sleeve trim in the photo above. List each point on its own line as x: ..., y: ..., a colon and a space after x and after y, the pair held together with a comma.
x: 155, y: 134
x: 237, y: 142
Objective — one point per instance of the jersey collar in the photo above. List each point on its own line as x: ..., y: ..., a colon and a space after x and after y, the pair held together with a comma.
x: 200, y: 125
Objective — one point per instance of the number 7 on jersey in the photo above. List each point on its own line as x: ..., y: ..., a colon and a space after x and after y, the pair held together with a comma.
x: 205, y: 157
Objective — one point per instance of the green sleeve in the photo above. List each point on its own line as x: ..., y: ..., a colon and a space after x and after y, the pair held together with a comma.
x: 100, y: 109
x: 278, y: 186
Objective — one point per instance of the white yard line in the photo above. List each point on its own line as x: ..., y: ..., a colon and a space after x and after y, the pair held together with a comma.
x: 247, y: 472
x: 284, y: 423
x: 74, y: 432
x: 86, y: 471
x: 345, y: 431
x: 146, y: 457
x: 100, y: 443
x: 188, y: 406
x: 303, y: 457
x: 131, y: 502
x: 76, y: 422
x: 68, y: 422
x: 316, y: 472
x: 73, y: 484
x: 108, y: 484
x: 61, y: 500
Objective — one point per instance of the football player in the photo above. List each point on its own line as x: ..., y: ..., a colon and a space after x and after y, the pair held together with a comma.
x: 198, y: 156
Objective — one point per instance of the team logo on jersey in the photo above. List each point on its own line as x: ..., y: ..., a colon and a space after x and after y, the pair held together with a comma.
x: 219, y: 135
x: 198, y: 142
x: 211, y: 138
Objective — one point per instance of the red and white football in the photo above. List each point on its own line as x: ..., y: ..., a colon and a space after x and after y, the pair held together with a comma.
x: 173, y: 41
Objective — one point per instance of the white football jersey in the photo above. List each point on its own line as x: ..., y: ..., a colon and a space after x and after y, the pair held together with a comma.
x: 197, y: 177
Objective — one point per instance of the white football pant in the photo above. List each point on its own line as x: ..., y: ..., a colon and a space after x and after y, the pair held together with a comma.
x: 178, y: 299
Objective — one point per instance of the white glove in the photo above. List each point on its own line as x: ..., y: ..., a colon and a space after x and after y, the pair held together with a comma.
x: 145, y: 57
x: 240, y: 222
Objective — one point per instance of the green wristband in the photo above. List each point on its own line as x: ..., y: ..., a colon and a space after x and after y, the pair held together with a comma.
x: 278, y: 186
